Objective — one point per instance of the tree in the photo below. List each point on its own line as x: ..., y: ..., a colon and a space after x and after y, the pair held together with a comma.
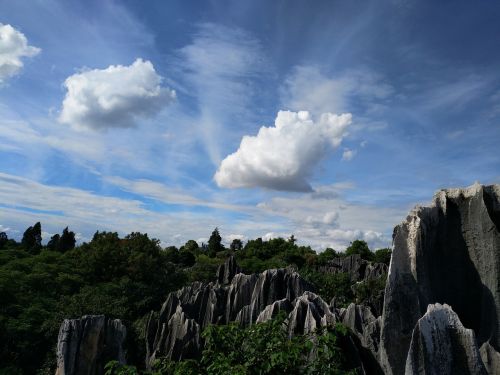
x: 32, y: 239
x: 191, y: 246
x: 359, y: 247
x: 292, y: 239
x: 3, y: 239
x: 186, y: 258
x: 236, y: 245
x: 67, y: 241
x: 382, y: 256
x: 172, y: 254
x: 215, y: 243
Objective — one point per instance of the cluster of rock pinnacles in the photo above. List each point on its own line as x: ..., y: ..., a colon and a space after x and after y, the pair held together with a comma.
x: 440, y: 315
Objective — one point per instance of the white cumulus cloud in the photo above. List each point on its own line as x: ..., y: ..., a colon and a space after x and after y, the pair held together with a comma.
x: 13, y: 47
x: 115, y: 97
x: 283, y: 157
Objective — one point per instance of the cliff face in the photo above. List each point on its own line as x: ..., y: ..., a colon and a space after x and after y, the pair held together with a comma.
x: 448, y: 253
x: 85, y: 345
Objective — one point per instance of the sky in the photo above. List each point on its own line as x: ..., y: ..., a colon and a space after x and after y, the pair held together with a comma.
x: 328, y: 120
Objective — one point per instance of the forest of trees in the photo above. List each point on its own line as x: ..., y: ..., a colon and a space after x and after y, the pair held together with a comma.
x: 126, y: 278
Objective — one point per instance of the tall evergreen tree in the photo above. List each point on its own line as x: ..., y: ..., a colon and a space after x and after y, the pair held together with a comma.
x: 215, y: 243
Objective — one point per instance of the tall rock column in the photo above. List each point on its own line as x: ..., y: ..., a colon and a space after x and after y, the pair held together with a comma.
x: 448, y: 253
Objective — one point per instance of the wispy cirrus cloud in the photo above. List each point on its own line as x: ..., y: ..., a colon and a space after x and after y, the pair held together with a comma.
x: 217, y: 71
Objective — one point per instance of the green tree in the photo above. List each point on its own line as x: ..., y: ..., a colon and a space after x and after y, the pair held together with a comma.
x: 382, y: 256
x: 191, y: 246
x: 236, y: 245
x: 215, y: 243
x: 32, y: 239
x: 186, y: 258
x: 359, y: 247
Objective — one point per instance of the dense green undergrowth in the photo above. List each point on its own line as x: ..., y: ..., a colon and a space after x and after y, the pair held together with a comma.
x: 126, y: 278
x: 263, y: 348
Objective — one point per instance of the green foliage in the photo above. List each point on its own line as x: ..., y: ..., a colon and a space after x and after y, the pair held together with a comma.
x: 370, y: 290
x: 327, y: 255
x: 121, y: 277
x: 187, y: 258
x: 236, y: 245
x: 263, y: 348
x: 359, y: 247
x: 382, y: 256
x: 259, y: 255
x: 204, y: 269
x: 215, y: 243
x: 329, y: 285
x: 191, y: 246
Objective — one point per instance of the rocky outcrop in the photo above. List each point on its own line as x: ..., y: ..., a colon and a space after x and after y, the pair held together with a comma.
x: 175, y: 331
x: 491, y: 358
x: 449, y: 253
x: 441, y: 345
x: 227, y: 271
x: 358, y: 269
x: 85, y: 345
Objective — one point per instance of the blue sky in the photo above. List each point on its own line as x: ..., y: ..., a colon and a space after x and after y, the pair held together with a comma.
x: 325, y: 119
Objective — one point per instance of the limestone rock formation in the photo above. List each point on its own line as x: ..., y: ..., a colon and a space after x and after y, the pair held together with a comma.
x: 441, y: 345
x: 175, y: 331
x: 227, y: 271
x: 358, y: 269
x: 449, y: 253
x: 85, y: 345
x: 491, y: 358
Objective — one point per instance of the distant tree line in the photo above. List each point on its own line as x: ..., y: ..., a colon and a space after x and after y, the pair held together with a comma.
x: 126, y: 278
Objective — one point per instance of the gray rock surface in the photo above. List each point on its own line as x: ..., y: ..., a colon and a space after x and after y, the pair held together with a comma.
x: 449, y: 253
x: 227, y: 271
x: 358, y: 269
x: 85, y: 345
x: 441, y: 345
x: 491, y: 358
x: 175, y: 331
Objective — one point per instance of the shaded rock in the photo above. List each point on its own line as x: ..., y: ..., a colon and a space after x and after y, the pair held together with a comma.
x: 309, y: 313
x: 271, y: 311
x: 85, y: 345
x: 358, y: 269
x: 441, y: 345
x: 227, y: 271
x: 364, y: 324
x: 449, y: 253
x: 366, y: 330
x: 491, y: 358
x: 175, y: 331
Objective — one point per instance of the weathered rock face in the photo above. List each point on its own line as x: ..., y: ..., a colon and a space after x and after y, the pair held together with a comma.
x: 358, y: 269
x: 441, y: 345
x: 448, y: 253
x: 85, y: 345
x: 175, y: 331
x: 491, y: 358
